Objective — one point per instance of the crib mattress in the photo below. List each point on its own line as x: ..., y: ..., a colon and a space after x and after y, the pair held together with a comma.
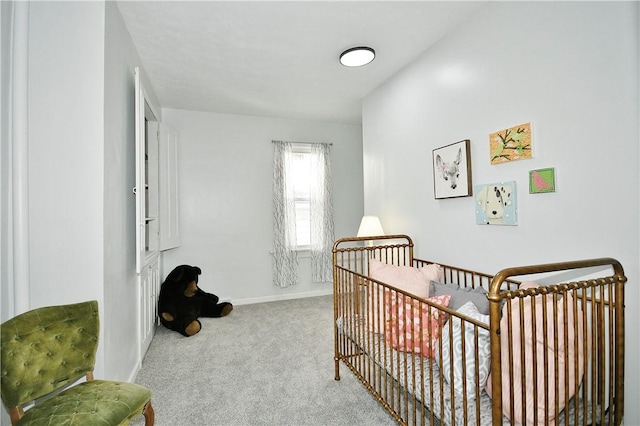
x: 438, y: 394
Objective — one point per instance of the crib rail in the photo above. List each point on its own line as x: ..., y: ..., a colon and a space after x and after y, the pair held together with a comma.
x: 594, y: 307
x: 414, y: 388
x: 354, y: 253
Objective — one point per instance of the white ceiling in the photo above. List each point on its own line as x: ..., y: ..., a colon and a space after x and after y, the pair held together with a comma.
x: 280, y: 58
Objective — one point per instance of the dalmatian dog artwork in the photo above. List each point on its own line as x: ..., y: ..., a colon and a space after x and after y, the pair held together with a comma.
x: 493, y: 203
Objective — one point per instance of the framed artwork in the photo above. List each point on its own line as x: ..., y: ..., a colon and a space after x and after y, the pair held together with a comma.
x: 496, y: 204
x: 452, y: 170
x: 542, y: 180
x: 511, y: 144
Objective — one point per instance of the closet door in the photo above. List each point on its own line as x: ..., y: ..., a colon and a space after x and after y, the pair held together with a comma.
x: 169, y: 232
x: 146, y: 189
x: 149, y: 284
x: 147, y: 215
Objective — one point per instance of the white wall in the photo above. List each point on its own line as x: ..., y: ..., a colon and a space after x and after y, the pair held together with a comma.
x: 569, y: 68
x: 119, y: 206
x: 66, y: 153
x: 81, y: 166
x: 121, y: 306
x: 225, y: 176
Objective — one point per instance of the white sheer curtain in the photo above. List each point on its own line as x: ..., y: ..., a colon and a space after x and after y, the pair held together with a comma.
x: 321, y: 237
x: 321, y: 214
x: 285, y: 259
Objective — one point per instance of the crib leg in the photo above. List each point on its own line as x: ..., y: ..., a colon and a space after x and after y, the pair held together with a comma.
x: 337, y: 367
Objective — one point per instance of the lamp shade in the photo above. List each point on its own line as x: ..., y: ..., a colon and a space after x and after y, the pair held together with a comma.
x: 370, y: 226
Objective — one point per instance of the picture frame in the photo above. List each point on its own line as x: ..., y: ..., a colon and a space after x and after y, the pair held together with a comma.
x: 496, y: 204
x: 511, y: 144
x: 542, y: 181
x: 452, y: 170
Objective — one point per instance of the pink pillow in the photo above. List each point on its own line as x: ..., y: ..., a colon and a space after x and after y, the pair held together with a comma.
x: 414, y: 326
x: 560, y: 354
x: 412, y: 280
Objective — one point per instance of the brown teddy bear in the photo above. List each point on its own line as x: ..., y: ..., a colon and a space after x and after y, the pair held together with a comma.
x: 182, y: 302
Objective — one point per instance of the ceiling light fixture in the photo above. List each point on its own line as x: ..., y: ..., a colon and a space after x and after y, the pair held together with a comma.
x: 357, y: 56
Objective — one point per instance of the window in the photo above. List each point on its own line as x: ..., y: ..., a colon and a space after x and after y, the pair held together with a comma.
x: 301, y: 178
x: 302, y: 210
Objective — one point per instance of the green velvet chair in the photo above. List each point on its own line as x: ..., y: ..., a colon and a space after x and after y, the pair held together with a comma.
x: 50, y: 348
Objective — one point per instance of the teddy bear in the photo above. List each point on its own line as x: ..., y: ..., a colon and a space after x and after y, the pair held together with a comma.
x: 181, y: 301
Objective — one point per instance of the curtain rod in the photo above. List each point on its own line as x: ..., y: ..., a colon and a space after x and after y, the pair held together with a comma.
x: 306, y: 143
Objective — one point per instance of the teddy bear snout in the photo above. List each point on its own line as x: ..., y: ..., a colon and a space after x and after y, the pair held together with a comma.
x: 191, y: 289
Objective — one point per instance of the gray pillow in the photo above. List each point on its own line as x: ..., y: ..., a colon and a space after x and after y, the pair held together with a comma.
x: 460, y: 296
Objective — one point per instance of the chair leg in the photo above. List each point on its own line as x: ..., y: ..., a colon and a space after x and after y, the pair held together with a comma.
x: 149, y: 414
x: 16, y: 414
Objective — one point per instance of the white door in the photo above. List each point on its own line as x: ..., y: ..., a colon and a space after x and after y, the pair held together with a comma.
x: 146, y: 188
x: 147, y: 215
x: 169, y: 227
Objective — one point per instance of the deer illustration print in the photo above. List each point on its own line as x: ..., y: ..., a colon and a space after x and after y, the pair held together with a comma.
x: 450, y: 171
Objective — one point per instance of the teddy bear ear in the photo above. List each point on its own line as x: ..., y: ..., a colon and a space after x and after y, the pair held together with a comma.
x: 177, y: 273
x: 197, y: 270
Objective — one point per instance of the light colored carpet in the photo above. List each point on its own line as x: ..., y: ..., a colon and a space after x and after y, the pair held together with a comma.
x: 264, y: 364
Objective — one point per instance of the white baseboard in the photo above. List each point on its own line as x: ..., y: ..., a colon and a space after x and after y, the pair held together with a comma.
x: 136, y: 370
x: 276, y: 298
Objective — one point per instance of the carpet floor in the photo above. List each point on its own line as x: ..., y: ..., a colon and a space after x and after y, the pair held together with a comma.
x: 264, y: 364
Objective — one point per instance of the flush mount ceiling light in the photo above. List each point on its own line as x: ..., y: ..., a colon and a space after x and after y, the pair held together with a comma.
x: 357, y: 56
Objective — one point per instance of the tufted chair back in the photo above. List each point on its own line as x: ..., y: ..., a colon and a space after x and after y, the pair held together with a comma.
x: 48, y: 348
